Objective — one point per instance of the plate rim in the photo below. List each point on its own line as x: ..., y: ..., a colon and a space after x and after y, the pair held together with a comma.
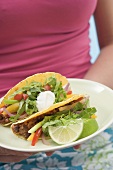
x: 73, y: 143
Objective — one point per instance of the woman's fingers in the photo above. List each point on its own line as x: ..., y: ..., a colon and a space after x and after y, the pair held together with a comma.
x: 10, y: 159
x: 76, y: 147
x: 49, y: 153
x: 7, y: 155
x: 4, y: 152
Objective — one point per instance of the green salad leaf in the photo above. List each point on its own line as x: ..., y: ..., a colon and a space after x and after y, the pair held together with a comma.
x: 30, y: 107
x: 56, y: 88
x: 33, y: 89
x: 19, y: 112
x: 66, y: 117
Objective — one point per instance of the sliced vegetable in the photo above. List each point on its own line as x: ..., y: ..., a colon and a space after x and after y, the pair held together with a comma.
x: 69, y: 96
x: 24, y: 114
x: 2, y: 109
x: 47, y: 87
x: 20, y: 111
x: 93, y: 116
x: 69, y: 92
x: 66, y: 87
x: 36, y: 136
x: 8, y: 113
x: 12, y: 108
x: 25, y: 96
x: 45, y: 140
x: 30, y: 138
x: 34, y: 128
x: 18, y: 97
x: 9, y: 101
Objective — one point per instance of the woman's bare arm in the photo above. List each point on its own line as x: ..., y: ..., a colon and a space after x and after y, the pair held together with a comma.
x: 102, y: 70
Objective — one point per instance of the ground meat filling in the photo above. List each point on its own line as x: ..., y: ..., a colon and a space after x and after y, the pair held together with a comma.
x: 22, y: 129
x: 4, y: 119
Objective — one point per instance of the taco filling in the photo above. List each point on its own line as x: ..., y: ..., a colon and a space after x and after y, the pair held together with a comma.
x: 37, y: 127
x: 32, y: 98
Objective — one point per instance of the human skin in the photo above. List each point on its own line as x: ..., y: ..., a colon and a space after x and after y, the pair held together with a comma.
x: 102, y: 70
x: 7, y: 155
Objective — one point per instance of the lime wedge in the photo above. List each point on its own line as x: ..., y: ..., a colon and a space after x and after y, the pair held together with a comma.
x: 90, y: 126
x: 66, y: 134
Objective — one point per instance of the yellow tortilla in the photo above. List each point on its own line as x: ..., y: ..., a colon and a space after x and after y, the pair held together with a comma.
x: 74, y: 98
x: 40, y: 77
x: 56, y: 105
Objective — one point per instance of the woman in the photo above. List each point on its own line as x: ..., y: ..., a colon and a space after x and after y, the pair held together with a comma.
x: 39, y: 36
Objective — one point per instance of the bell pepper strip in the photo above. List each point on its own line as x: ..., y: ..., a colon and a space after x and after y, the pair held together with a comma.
x: 93, y: 116
x: 30, y: 138
x: 11, y: 108
x: 69, y: 92
x: 69, y: 96
x: 36, y: 136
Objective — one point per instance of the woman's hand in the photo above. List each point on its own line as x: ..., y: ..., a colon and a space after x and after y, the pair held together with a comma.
x: 8, y: 156
x: 102, y: 70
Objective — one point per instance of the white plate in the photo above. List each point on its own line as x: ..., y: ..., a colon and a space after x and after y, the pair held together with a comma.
x: 101, y: 97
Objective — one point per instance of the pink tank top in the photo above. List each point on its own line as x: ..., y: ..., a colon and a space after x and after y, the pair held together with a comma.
x: 43, y: 35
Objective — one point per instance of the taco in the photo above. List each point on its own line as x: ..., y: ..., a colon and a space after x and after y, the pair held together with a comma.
x: 65, y: 112
x: 27, y: 97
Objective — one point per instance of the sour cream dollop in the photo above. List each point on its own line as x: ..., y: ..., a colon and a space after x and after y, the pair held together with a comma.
x: 45, y: 100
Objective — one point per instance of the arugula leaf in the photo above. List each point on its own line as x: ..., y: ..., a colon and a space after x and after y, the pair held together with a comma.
x: 87, y: 112
x: 47, y: 124
x: 32, y: 87
x: 66, y: 117
x: 19, y: 112
x: 78, y: 107
x: 30, y: 106
x: 51, y: 81
x: 56, y: 88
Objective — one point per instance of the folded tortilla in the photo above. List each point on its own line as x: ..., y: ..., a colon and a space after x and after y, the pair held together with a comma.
x: 41, y: 77
x: 22, y: 127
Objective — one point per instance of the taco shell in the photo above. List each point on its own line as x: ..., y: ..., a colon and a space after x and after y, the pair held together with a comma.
x: 22, y: 127
x: 40, y: 77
